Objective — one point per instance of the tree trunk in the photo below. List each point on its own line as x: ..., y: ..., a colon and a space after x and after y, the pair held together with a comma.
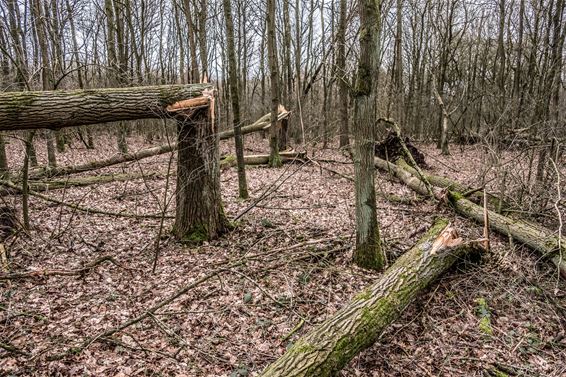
x: 368, y: 252
x: 331, y: 345
x: 235, y: 97
x: 274, y: 159
x: 261, y: 159
x: 342, y: 75
x: 62, y: 108
x: 199, y: 215
x: 536, y: 237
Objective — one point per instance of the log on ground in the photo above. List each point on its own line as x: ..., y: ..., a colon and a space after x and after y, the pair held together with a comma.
x: 261, y: 159
x: 534, y: 236
x: 332, y: 344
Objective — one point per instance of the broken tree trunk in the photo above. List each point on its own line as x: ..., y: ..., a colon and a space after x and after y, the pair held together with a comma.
x: 536, y: 237
x: 261, y: 159
x: 332, y: 344
x: 475, y: 195
x: 259, y: 125
x: 69, y: 108
x: 199, y: 215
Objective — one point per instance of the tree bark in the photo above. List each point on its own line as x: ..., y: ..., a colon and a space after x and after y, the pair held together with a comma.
x: 342, y: 75
x: 198, y: 215
x: 235, y: 97
x: 274, y: 159
x: 368, y: 252
x: 59, y: 109
x: 536, y: 237
x: 332, y: 344
x: 4, y: 169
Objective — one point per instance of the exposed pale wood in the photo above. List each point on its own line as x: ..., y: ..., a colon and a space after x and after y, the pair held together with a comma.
x: 329, y: 347
x: 189, y: 103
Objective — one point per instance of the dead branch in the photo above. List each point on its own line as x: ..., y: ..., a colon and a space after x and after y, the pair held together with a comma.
x: 79, y: 271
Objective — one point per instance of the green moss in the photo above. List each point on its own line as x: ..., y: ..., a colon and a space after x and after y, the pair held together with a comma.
x: 302, y: 347
x: 275, y: 161
x: 498, y: 373
x: 228, y: 159
x: 454, y: 196
x: 19, y: 102
x: 363, y: 295
x: 197, y: 235
x: 484, y: 313
x: 485, y: 326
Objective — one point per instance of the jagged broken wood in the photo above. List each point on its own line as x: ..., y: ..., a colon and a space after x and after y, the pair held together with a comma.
x: 69, y: 108
x: 535, y: 237
x: 332, y: 344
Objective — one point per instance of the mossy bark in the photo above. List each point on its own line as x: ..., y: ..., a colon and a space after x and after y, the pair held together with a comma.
x: 274, y: 159
x: 368, y: 253
x: 536, y: 237
x: 260, y: 159
x: 65, y: 108
x: 199, y: 215
x: 329, y: 347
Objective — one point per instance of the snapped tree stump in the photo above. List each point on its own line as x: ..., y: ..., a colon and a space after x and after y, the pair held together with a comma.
x: 333, y: 343
x: 199, y: 215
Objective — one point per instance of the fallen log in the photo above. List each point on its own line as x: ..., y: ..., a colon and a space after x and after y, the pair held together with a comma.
x: 535, y: 237
x: 475, y: 195
x: 69, y: 108
x: 43, y: 172
x: 333, y: 343
x: 57, y: 184
x: 261, y: 159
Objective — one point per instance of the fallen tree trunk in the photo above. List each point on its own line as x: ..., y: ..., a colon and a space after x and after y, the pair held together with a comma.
x: 261, y: 159
x: 87, y: 181
x: 332, y: 344
x: 94, y: 165
x: 43, y: 172
x: 69, y: 108
x: 536, y: 237
x: 443, y: 182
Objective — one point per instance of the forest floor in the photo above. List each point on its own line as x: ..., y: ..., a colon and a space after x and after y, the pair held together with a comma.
x: 294, y: 249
